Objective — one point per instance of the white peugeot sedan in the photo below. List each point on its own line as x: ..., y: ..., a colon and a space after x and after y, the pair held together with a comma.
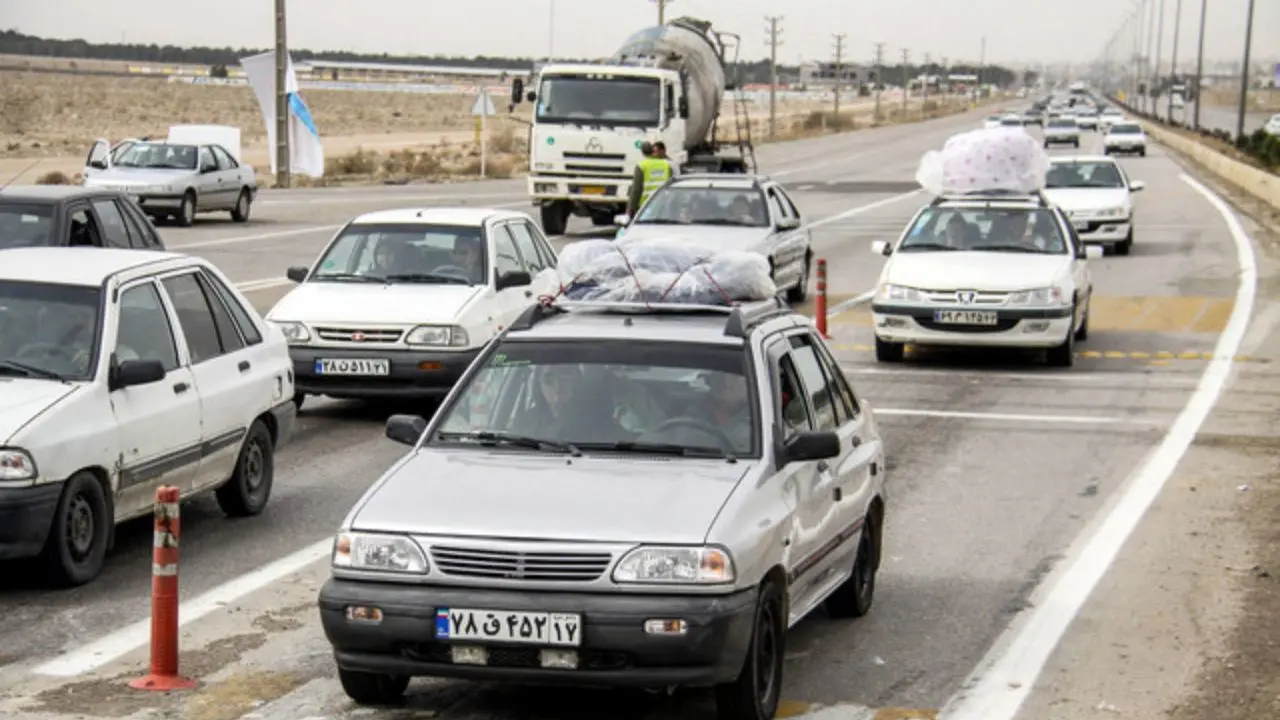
x: 999, y: 271
x: 120, y: 371
x: 1125, y: 137
x: 401, y: 301
x: 1097, y: 195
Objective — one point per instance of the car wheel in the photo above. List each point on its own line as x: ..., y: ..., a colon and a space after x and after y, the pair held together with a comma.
x: 187, y: 210
x: 800, y: 292
x: 249, y: 488
x: 240, y: 213
x: 371, y: 688
x: 854, y: 597
x: 1124, y: 246
x: 74, y: 552
x: 888, y: 352
x: 298, y: 400
x: 1063, y: 355
x: 1082, y: 333
x: 1142, y: 152
x: 754, y: 694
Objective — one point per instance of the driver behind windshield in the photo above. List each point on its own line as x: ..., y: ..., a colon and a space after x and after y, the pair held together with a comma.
x: 388, y: 258
x: 728, y: 409
x: 466, y: 255
x: 746, y: 210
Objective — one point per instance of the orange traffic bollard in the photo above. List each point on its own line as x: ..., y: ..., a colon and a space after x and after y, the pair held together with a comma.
x: 164, y: 598
x: 820, y: 309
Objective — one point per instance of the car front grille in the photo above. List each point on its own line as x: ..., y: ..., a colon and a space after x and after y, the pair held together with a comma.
x: 952, y: 297
x: 358, y: 335
x: 1002, y: 325
x: 514, y: 565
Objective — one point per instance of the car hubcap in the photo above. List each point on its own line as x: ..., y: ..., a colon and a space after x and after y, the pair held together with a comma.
x: 766, y: 657
x: 80, y: 527
x: 253, y: 467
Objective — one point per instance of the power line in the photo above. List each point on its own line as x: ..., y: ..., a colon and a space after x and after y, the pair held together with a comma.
x: 876, y: 79
x: 774, y: 35
x: 840, y: 40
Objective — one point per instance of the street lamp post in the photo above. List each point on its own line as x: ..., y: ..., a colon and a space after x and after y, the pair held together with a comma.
x: 1195, y: 112
x: 1244, y: 71
x: 1173, y: 68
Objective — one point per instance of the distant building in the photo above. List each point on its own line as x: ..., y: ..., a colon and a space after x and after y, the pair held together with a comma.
x: 824, y: 73
x: 398, y: 72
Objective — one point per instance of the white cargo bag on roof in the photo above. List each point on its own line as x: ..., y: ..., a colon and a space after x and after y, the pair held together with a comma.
x: 990, y: 159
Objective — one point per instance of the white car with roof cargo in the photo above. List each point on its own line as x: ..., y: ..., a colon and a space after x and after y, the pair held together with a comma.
x: 196, y: 169
x: 401, y: 301
x: 1125, y: 138
x: 120, y: 371
x: 1000, y: 270
x: 1097, y: 195
x: 731, y: 212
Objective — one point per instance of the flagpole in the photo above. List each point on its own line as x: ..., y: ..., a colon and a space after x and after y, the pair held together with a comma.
x: 282, y: 99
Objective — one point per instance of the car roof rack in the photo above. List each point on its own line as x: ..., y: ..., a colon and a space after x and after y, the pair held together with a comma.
x: 740, y: 317
x: 992, y: 196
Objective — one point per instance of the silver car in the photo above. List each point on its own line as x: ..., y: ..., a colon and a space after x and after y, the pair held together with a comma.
x: 174, y: 180
x: 616, y: 495
x: 732, y: 212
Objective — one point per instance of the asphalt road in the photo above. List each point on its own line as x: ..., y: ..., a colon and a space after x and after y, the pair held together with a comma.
x: 996, y: 463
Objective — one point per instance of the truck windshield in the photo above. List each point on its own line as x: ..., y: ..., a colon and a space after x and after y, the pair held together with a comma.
x: 614, y: 101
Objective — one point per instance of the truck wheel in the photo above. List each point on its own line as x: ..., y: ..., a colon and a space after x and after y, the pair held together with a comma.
x: 555, y: 217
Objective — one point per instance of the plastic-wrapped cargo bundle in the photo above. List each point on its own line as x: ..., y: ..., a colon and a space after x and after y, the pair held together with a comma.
x: 668, y: 269
x: 1003, y: 159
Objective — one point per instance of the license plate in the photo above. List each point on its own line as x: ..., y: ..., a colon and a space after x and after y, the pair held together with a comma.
x: 509, y: 626
x: 1080, y: 226
x: 965, y: 317
x: 340, y: 366
x: 593, y: 190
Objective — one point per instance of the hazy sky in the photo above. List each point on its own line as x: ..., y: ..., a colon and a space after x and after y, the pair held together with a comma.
x: 1021, y: 31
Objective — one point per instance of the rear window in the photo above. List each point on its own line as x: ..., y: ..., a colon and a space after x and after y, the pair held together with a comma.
x: 1126, y: 129
x: 1062, y: 123
x: 25, y: 225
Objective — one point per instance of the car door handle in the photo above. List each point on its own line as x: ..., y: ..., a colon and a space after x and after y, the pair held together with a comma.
x: 180, y: 388
x: 244, y: 366
x: 855, y: 442
x: 528, y: 293
x: 838, y: 494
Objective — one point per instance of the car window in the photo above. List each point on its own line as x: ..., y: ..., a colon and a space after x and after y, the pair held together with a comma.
x: 775, y: 205
x: 143, y: 331
x: 142, y: 235
x: 693, y: 204
x: 1084, y: 174
x: 403, y: 252
x: 608, y: 394
x: 229, y: 337
x: 1015, y: 229
x: 544, y: 247
x: 199, y: 326
x: 815, y: 384
x: 48, y: 327
x: 787, y: 203
x: 225, y: 161
x: 25, y: 225
x: 206, y: 160
x: 244, y: 321
x: 841, y: 390
x: 114, y: 230
x: 82, y: 228
x: 505, y: 258
x: 524, y: 243
x: 159, y: 156
x: 790, y: 399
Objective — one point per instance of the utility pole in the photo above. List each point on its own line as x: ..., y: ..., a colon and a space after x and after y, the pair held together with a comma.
x: 1244, y: 70
x: 774, y: 42
x: 924, y: 88
x: 879, y: 69
x: 840, y: 38
x: 906, y: 80
x: 1136, y: 19
x: 1195, y: 112
x: 282, y: 99
x: 982, y: 65
x: 1149, y: 104
x: 662, y: 11
x: 1158, y: 82
x: 1173, y: 67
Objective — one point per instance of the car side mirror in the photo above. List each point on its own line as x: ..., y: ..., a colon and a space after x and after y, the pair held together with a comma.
x: 98, y: 164
x: 788, y: 223
x: 206, y: 169
x: 1093, y: 252
x: 515, y: 278
x: 135, y: 372
x: 811, y: 445
x: 622, y: 220
x: 406, y: 429
x: 296, y: 274
x: 1137, y: 186
x: 881, y: 247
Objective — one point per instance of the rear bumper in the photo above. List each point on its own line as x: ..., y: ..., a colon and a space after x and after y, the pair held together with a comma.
x: 25, y: 517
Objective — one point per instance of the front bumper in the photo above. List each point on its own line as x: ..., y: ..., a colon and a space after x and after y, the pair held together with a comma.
x: 610, y: 191
x: 159, y: 204
x: 615, y: 649
x: 25, y: 517
x: 427, y: 373
x: 1023, y: 328
x: 1102, y: 232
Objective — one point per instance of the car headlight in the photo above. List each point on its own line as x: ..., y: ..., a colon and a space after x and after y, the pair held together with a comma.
x: 295, y: 332
x: 16, y: 465
x: 438, y: 335
x: 675, y: 565
x: 379, y: 553
x: 897, y: 292
x: 1039, y: 296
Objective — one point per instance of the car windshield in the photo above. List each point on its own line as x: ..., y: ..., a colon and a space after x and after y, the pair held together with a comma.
x: 49, y: 330
x: 25, y: 225
x: 1011, y: 121
x: 409, y: 253
x: 1061, y: 123
x: 592, y: 101
x: 1083, y: 175
x: 1126, y: 129
x: 687, y: 205
x: 613, y: 395
x: 1021, y: 230
x: 159, y: 156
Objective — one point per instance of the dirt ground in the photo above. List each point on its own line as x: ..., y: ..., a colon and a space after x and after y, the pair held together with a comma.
x: 1264, y: 100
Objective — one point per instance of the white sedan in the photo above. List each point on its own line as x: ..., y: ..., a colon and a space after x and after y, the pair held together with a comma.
x: 1097, y: 195
x: 998, y: 272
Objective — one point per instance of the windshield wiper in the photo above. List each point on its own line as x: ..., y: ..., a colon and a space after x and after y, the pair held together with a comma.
x: 692, y: 451
x: 660, y: 221
x: 926, y: 246
x: 29, y: 370
x: 428, y: 278
x: 349, y: 276
x: 724, y: 221
x: 487, y: 437
x: 1007, y: 248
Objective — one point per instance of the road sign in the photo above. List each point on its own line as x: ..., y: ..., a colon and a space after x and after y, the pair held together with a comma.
x: 483, y: 105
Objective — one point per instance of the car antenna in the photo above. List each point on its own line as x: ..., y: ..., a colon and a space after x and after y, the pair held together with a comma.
x: 25, y: 170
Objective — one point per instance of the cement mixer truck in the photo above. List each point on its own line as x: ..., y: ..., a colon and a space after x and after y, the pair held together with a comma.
x: 667, y: 82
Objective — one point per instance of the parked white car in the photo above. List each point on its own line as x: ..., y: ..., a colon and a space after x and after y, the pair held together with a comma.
x: 999, y: 271
x: 1062, y: 131
x: 1097, y: 195
x: 1125, y: 137
x: 401, y: 301
x: 1273, y: 125
x: 120, y: 371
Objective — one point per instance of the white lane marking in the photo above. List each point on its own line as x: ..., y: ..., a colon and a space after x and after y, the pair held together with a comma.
x: 860, y: 209
x: 1147, y: 378
x: 1004, y: 679
x: 1004, y: 417
x: 263, y: 284
x: 112, y: 647
x: 851, y: 303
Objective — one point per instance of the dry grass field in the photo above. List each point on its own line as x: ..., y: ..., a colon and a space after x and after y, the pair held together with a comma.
x: 1259, y: 100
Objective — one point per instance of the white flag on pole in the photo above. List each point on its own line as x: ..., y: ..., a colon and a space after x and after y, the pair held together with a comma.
x: 306, y: 152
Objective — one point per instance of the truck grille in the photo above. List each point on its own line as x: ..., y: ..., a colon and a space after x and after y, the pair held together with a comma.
x: 358, y: 335
x: 596, y: 170
x: 508, y: 565
x: 614, y: 157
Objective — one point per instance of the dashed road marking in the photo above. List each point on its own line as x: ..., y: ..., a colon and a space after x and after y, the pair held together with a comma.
x: 1155, y: 358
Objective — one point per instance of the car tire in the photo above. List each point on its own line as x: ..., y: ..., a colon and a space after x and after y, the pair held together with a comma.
x: 247, y: 491
x: 1082, y: 333
x: 244, y: 203
x: 1076, y: 144
x: 1063, y: 355
x: 1142, y: 152
x: 76, y: 547
x: 1046, y: 143
x: 1126, y: 245
x: 371, y: 688
x: 800, y: 292
x: 186, y: 215
x: 755, y: 693
x: 889, y: 352
x: 854, y: 597
x: 298, y: 400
